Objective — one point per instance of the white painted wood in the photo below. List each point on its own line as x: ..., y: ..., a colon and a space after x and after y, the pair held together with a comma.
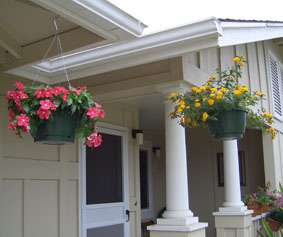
x: 241, y: 50
x: 100, y: 215
x: 10, y: 44
x: 148, y: 213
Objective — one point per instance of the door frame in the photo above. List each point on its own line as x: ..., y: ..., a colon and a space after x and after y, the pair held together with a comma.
x: 110, y: 129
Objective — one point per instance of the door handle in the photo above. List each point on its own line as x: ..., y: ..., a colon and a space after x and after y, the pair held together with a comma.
x: 128, y: 215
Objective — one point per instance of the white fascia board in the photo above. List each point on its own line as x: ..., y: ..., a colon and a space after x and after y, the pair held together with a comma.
x: 243, y: 33
x: 99, y: 16
x: 30, y: 74
x: 200, y: 30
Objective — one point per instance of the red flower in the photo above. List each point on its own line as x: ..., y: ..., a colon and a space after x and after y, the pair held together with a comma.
x: 26, y: 129
x: 97, y: 105
x: 65, y: 98
x: 43, y: 114
x: 11, y: 114
x: 19, y: 85
x: 23, y: 120
x: 45, y: 104
x: 57, y: 90
x: 48, y: 92
x: 78, y: 92
x: 94, y: 140
x: 101, y: 113
x: 10, y: 95
x: 23, y: 95
x: 40, y: 93
x: 82, y: 88
x: 93, y: 113
x: 12, y: 126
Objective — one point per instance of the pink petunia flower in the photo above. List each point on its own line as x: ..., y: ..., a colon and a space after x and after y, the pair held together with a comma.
x: 78, y: 92
x: 45, y: 104
x: 48, y: 92
x: 10, y: 95
x: 94, y: 140
x: 23, y: 120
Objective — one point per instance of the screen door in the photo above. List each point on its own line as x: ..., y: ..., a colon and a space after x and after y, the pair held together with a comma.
x: 105, y: 186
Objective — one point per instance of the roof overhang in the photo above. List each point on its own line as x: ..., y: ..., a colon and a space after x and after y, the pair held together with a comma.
x: 240, y: 32
x: 99, y: 16
x: 148, y: 48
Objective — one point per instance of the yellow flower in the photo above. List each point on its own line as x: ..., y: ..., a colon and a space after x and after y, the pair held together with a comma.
x: 182, y: 102
x: 213, y: 89
x: 176, y: 101
x: 188, y: 107
x: 220, y: 93
x: 236, y: 59
x: 197, y: 105
x: 197, y: 100
x: 272, y: 130
x: 214, y: 76
x: 219, y: 97
x: 204, y: 116
x: 204, y: 99
x: 194, y: 89
x: 173, y: 94
x: 272, y: 137
x: 179, y: 110
x: 223, y: 89
x: 242, y: 64
x: 252, y: 97
x: 270, y: 122
x: 171, y: 113
x: 208, y: 82
x: 187, y: 119
x: 195, y: 124
x: 259, y: 93
x: 269, y: 115
x: 237, y: 92
x: 203, y: 88
x: 212, y: 96
x: 182, y: 106
x: 210, y: 102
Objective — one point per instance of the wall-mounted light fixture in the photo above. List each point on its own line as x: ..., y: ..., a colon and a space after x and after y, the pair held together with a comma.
x: 138, y: 134
x: 156, y: 151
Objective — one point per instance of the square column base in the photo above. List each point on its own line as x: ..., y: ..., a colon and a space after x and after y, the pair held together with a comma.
x: 196, y: 229
x: 238, y: 224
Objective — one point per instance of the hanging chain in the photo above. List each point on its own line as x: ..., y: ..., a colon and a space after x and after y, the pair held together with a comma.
x: 56, y: 36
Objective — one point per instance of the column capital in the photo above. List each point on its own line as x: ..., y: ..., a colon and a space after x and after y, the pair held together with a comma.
x: 176, y: 86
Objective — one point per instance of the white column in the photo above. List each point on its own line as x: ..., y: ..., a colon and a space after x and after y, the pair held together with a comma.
x: 177, y: 196
x: 231, y: 175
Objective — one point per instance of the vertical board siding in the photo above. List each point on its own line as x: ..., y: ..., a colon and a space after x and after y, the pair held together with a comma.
x: 241, y: 50
x: 253, y: 70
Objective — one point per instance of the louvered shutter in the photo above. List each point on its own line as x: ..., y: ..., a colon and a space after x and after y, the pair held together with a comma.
x: 276, y: 80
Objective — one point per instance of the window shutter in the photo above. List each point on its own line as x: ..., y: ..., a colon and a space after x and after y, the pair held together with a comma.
x: 276, y: 80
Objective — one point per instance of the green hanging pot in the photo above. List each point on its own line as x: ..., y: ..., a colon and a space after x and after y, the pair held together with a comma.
x: 230, y: 125
x: 60, y: 131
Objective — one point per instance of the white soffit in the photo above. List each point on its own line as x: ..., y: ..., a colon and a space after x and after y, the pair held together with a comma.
x: 148, y: 48
x: 98, y: 16
x: 246, y: 32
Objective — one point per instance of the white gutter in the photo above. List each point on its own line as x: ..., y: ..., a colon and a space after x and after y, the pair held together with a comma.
x: 99, y: 16
x: 152, y: 47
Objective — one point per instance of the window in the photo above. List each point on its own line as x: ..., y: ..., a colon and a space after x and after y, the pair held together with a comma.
x: 146, y: 194
x: 276, y: 76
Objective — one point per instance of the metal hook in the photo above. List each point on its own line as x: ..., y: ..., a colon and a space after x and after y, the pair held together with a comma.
x: 55, y: 24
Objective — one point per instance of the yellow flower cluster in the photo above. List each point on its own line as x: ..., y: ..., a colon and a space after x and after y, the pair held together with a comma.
x: 219, y: 93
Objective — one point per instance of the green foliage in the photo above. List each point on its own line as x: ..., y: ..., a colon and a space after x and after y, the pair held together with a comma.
x: 220, y: 93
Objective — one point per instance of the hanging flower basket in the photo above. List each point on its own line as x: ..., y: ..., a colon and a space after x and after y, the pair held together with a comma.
x: 54, y: 115
x: 230, y: 125
x: 60, y: 131
x: 203, y: 106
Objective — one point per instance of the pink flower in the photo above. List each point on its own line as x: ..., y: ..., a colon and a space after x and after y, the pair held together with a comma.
x: 11, y: 114
x: 97, y: 105
x: 40, y: 93
x: 78, y: 92
x: 43, y: 114
x: 23, y: 95
x: 94, y: 140
x: 93, y: 113
x: 65, y: 98
x: 82, y: 88
x: 23, y: 120
x: 26, y: 129
x: 12, y: 126
x: 48, y: 92
x: 101, y: 113
x: 10, y: 95
x: 64, y: 90
x: 45, y: 104
x: 19, y: 85
x: 57, y: 90
x: 17, y: 98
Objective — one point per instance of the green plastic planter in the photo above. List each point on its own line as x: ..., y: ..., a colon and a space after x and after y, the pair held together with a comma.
x: 231, y: 125
x: 60, y: 131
